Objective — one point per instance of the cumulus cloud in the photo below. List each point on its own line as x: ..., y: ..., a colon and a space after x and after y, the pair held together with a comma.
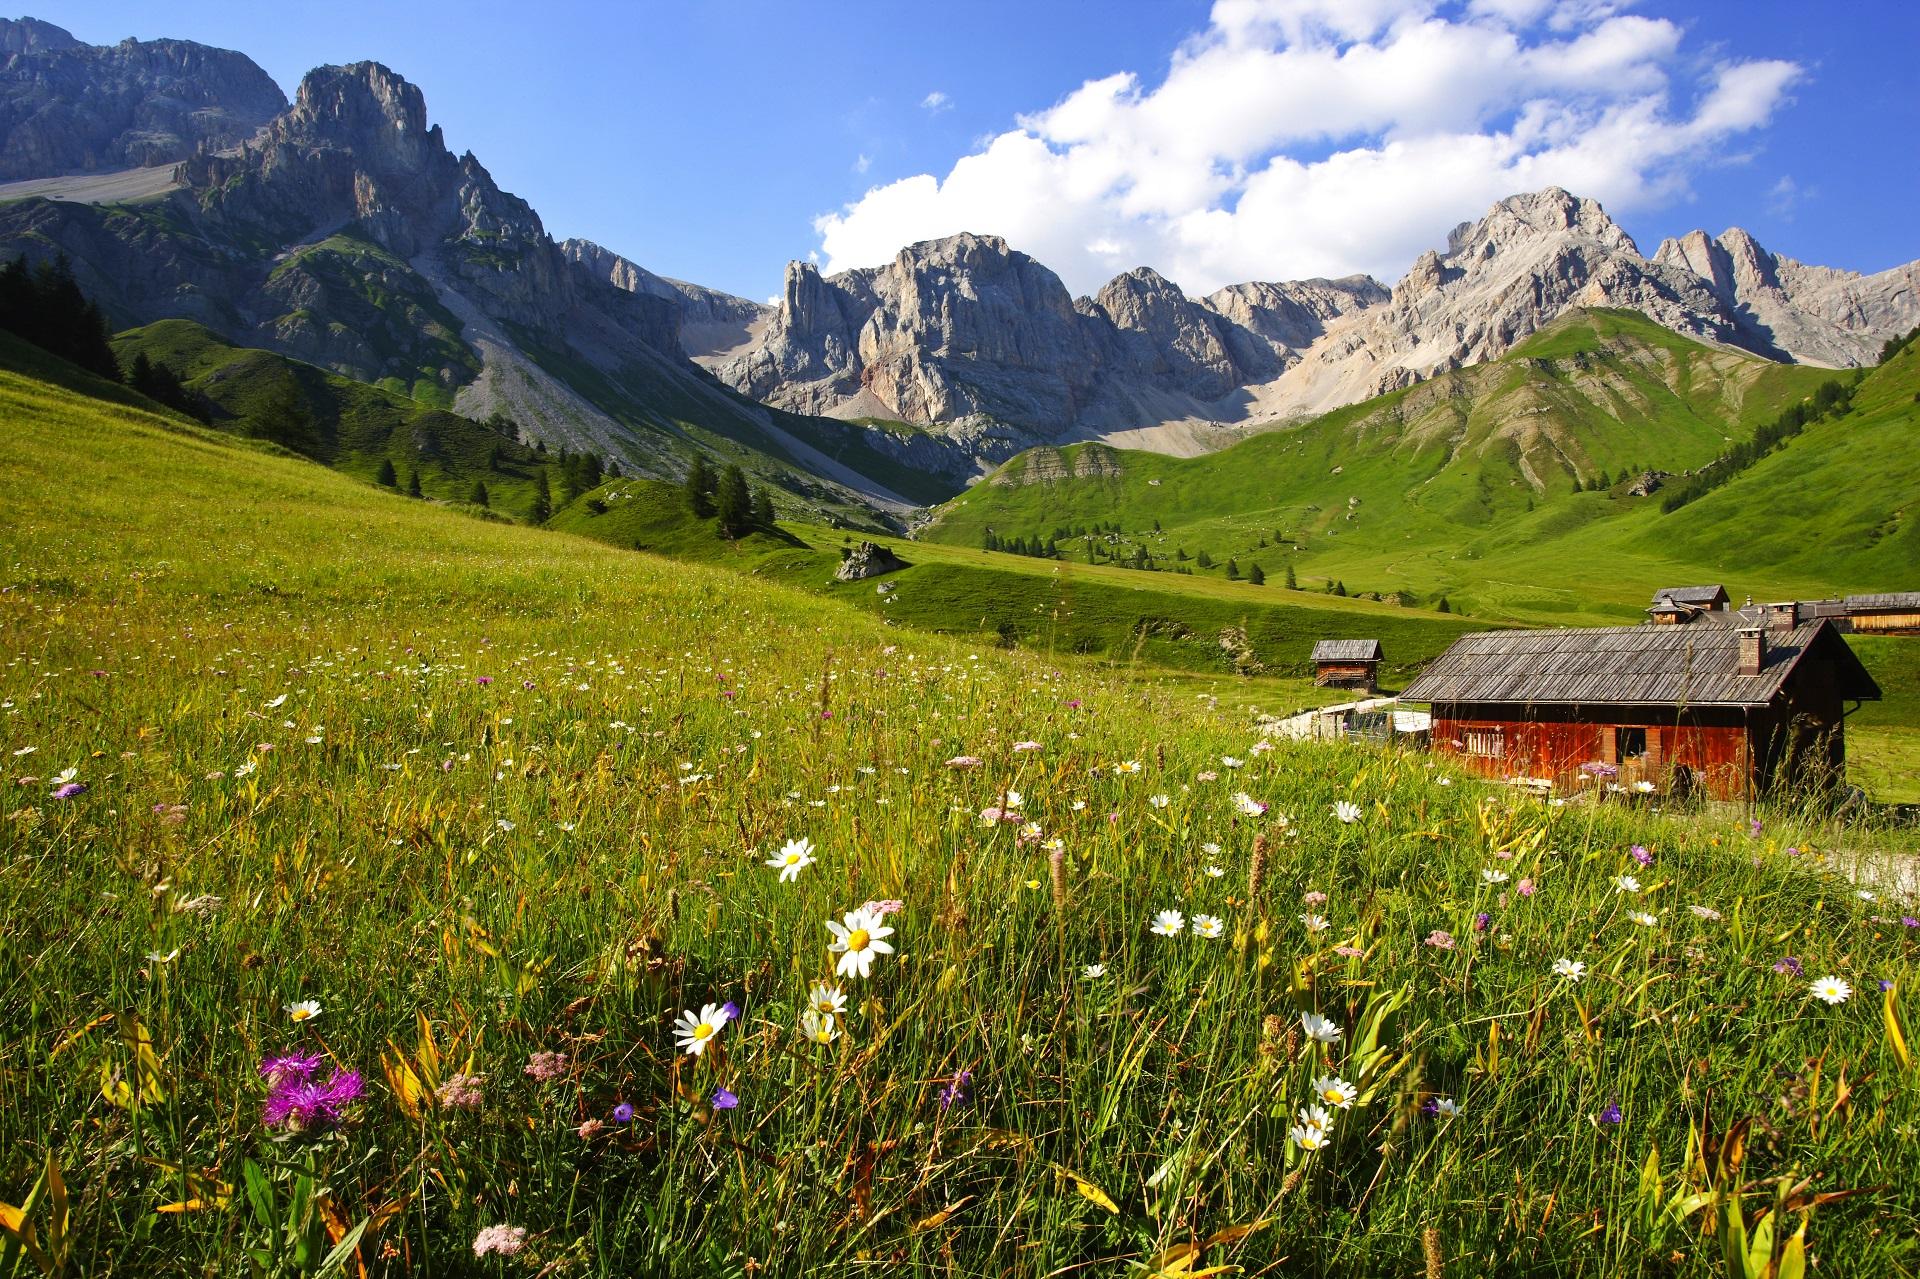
x: 1294, y: 138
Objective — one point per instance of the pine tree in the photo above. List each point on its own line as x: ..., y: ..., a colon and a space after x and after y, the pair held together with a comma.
x: 1203, y: 559
x: 1293, y: 583
x: 764, y: 515
x: 1444, y: 607
x: 699, y: 487
x: 387, y: 478
x: 1340, y: 589
x: 478, y: 494
x: 413, y: 484
x: 1257, y: 575
x: 1233, y: 569
x: 542, y: 500
x: 733, y: 502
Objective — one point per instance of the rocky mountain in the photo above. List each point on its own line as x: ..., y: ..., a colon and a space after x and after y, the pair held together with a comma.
x: 711, y: 322
x: 68, y: 107
x: 346, y: 233
x: 975, y: 339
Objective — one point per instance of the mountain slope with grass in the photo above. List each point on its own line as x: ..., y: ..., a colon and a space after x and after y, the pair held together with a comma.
x: 1508, y: 488
x: 358, y: 850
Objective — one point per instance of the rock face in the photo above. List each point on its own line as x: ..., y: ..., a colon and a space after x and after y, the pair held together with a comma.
x: 69, y: 107
x: 868, y: 559
x: 968, y: 334
x: 347, y: 234
x: 710, y: 321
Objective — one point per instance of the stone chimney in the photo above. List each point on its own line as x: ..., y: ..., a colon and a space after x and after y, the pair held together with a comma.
x: 1784, y: 616
x: 1753, y: 650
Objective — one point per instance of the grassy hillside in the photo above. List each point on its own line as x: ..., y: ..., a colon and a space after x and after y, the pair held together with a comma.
x: 348, y: 425
x: 1463, y: 487
x: 460, y: 816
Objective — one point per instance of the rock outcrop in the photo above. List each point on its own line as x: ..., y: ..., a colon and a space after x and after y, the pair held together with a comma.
x: 70, y: 107
x: 865, y: 560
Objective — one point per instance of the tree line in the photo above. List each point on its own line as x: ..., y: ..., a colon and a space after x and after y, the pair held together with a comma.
x: 1831, y: 398
x: 727, y: 499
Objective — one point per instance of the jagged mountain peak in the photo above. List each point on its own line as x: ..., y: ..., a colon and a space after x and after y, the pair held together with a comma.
x: 32, y: 35
x: 369, y: 108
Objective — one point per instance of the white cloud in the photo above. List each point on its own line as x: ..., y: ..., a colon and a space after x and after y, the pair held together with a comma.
x: 936, y: 102
x: 862, y: 162
x: 1321, y: 137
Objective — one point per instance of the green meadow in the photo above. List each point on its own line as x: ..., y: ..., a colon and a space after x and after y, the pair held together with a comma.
x: 387, y: 892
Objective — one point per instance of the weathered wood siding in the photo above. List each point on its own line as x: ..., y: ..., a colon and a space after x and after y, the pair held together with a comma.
x: 1886, y: 623
x: 1346, y: 675
x: 1553, y: 742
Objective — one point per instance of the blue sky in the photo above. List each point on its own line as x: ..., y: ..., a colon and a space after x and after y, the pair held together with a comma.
x: 709, y: 140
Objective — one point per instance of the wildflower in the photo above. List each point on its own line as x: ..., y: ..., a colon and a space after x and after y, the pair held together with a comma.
x: 1525, y: 887
x: 1482, y: 921
x: 1641, y: 855
x: 588, y: 1129
x: 304, y: 1010
x: 952, y: 1094
x: 829, y: 1000
x: 1788, y: 967
x: 460, y: 1092
x: 1208, y: 926
x: 1754, y: 827
x: 1908, y: 921
x: 623, y: 1113
x: 724, y: 1100
x: 1169, y: 923
x: 1094, y: 972
x: 1314, y: 897
x: 1705, y: 912
x: 1248, y: 805
x: 1127, y: 766
x: 1310, y: 1134
x: 1625, y: 884
x: 505, y: 1240
x: 1885, y: 985
x: 1831, y: 990
x: 818, y: 1027
x: 1348, y: 952
x: 857, y: 941
x: 546, y: 1067
x: 1445, y: 1108
x: 1026, y: 746
x: 299, y: 1106
x: 1493, y: 876
x: 1228, y: 761
x: 730, y: 1010
x: 1645, y: 919
x: 67, y: 790
x: 289, y: 1068
x: 1315, y: 923
x: 694, y: 1031
x: 1321, y: 1030
x: 1571, y: 969
x: 1159, y: 801
x: 880, y: 908
x: 1440, y: 939
x: 1335, y: 1091
x: 1348, y: 813
x: 965, y: 761
x: 794, y: 856
x: 1215, y: 872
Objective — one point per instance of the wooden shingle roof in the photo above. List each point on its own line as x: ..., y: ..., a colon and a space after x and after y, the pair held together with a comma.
x: 1347, y: 650
x: 1890, y: 600
x: 1630, y: 666
x: 1697, y: 596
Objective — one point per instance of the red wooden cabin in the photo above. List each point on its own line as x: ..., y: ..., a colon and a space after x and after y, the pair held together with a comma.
x: 1347, y: 663
x: 1728, y: 711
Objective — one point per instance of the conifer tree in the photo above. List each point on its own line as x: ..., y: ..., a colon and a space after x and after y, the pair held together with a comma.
x: 733, y: 502
x: 1203, y: 559
x: 764, y: 516
x: 1257, y: 575
x: 699, y: 485
x: 413, y: 484
x: 542, y: 499
x: 1293, y: 583
x: 1444, y: 607
x: 1233, y: 569
x: 478, y: 494
x: 387, y: 477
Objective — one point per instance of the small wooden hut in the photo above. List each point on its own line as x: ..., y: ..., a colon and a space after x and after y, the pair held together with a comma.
x: 1895, y: 613
x: 1347, y: 663
x: 1679, y: 604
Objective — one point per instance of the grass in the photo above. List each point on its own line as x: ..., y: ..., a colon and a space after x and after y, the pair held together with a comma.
x: 1462, y: 487
x: 481, y: 791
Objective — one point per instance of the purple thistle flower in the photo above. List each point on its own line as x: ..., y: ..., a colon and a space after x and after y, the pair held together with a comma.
x: 623, y: 1113
x: 1641, y: 855
x: 301, y: 1105
x: 952, y: 1095
x: 289, y: 1068
x: 1481, y: 921
x: 724, y: 1100
x: 484, y: 680
x: 1611, y: 1115
x: 1788, y: 967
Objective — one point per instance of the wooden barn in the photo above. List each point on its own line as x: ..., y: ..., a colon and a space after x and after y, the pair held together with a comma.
x: 1897, y: 613
x: 1679, y: 604
x: 1349, y: 663
x: 1730, y: 711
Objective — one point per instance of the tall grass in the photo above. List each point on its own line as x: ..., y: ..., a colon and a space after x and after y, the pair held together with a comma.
x: 481, y: 793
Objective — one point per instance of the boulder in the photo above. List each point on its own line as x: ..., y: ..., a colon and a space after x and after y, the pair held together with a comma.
x: 867, y: 560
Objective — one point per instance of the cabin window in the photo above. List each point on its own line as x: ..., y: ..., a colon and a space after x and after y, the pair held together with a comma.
x: 1487, y: 743
x: 1632, y: 743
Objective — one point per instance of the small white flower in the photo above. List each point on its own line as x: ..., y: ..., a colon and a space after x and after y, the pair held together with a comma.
x: 1094, y: 972
x: 1159, y: 801
x: 794, y: 856
x: 1705, y: 912
x: 1228, y: 761
x: 1315, y: 923
x: 1249, y: 805
x: 694, y: 1031
x: 1645, y: 919
x: 1571, y: 969
x: 1446, y: 1108
x: 277, y: 702
x: 1208, y: 926
x: 826, y: 1000
x: 304, y: 1010
x: 1493, y: 876
x: 1210, y: 849
x: 1625, y: 884
x: 1348, y: 813
x: 818, y: 1028
x: 1321, y: 1030
x: 1214, y: 872
x: 1832, y: 990
x: 857, y: 941
x: 1331, y: 1090
x: 1169, y: 923
x: 1310, y: 1134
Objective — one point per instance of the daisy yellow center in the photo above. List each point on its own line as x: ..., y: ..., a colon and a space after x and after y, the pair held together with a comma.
x: 793, y: 859
x: 1330, y: 1094
x: 858, y: 939
x: 703, y: 1031
x: 301, y: 1014
x: 825, y: 1005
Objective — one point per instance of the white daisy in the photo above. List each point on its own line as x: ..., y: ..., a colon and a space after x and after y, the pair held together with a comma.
x: 794, y: 856
x: 1331, y: 1090
x: 1310, y: 1134
x: 304, y: 1010
x: 1625, y: 884
x: 1321, y: 1030
x: 1446, y: 1108
x: 694, y: 1031
x: 1315, y: 923
x: 1832, y: 990
x: 829, y: 1001
x: 1493, y: 876
x: 1571, y: 969
x: 857, y: 941
x: 1169, y: 923
x: 1208, y: 926
x: 1094, y: 972
x: 1646, y: 919
x: 818, y: 1028
x: 1348, y: 813
x: 1214, y: 872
